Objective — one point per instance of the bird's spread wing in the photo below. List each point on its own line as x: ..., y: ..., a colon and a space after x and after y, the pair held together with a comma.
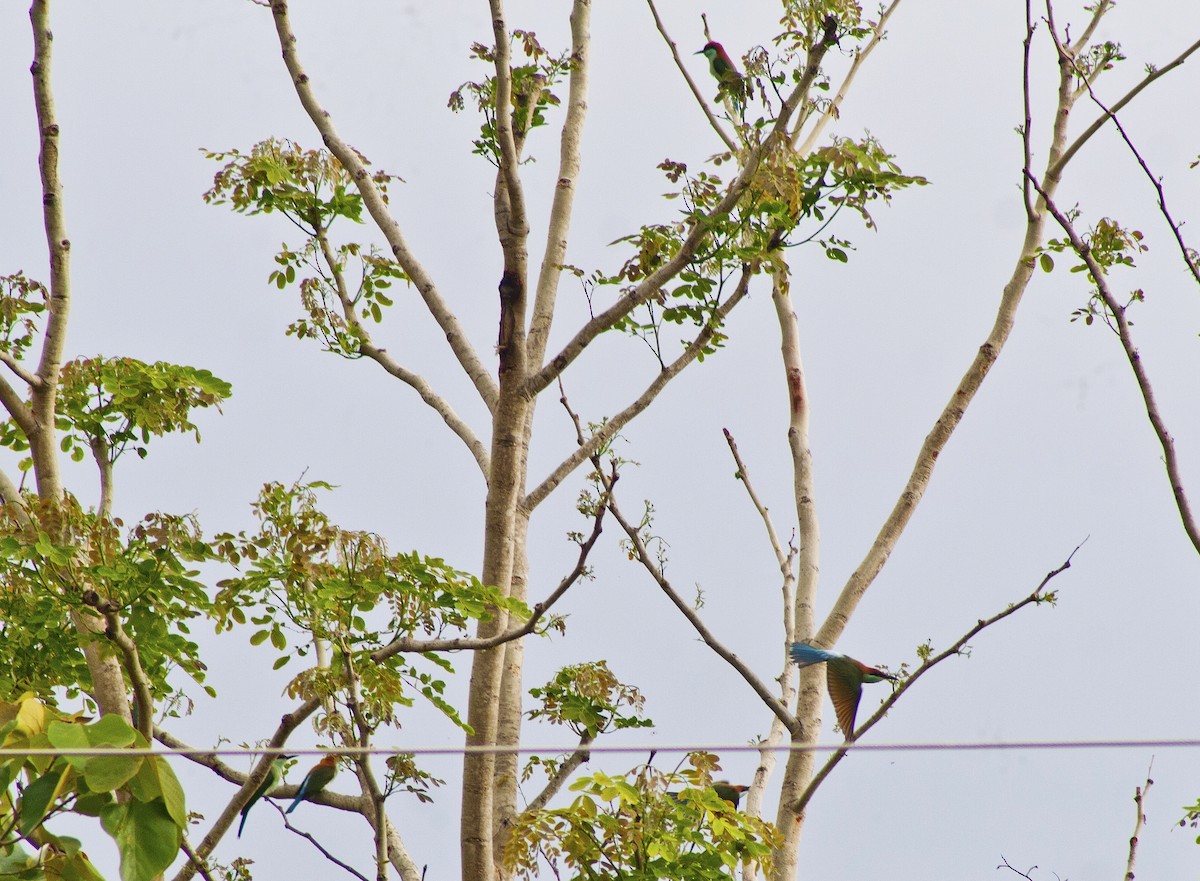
x: 845, y: 689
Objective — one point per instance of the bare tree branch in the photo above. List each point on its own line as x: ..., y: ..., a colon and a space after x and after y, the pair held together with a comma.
x: 1170, y: 458
x: 797, y: 807
x: 475, y: 643
x: 605, y: 433
x: 381, y: 357
x: 323, y: 851
x: 569, y: 163
x: 373, y: 199
x: 1188, y: 254
x: 565, y: 770
x: 962, y: 396
x: 650, y: 286
x: 878, y: 32
x: 17, y: 368
x: 1055, y: 169
x: 768, y: 756
x: 712, y: 119
x: 42, y: 447
x: 646, y: 559
x: 1139, y: 799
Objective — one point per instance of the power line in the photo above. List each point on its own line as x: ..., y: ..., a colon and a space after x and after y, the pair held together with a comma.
x: 976, y: 746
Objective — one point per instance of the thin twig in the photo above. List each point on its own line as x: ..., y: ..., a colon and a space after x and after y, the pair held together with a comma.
x: 468, y: 359
x: 1155, y: 73
x: 325, y: 853
x: 410, y: 644
x: 712, y: 119
x: 645, y: 558
x: 1139, y: 799
x: 1036, y: 597
x: 782, y: 557
x: 1114, y: 307
x: 1156, y: 182
x: 1005, y: 864
x: 606, y: 432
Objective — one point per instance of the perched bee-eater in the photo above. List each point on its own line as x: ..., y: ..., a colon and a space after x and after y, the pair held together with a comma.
x: 730, y: 792
x: 729, y: 81
x: 316, y: 780
x: 274, y: 775
x: 845, y: 677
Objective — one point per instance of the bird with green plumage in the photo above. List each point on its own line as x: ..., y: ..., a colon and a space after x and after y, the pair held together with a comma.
x: 316, y: 780
x: 730, y: 792
x: 729, y: 82
x: 274, y: 775
x: 845, y: 677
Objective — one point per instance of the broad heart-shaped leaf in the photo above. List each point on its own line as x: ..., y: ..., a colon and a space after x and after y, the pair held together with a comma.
x: 63, y: 735
x: 156, y: 780
x: 39, y: 795
x: 110, y: 730
x: 106, y: 773
x: 146, y: 836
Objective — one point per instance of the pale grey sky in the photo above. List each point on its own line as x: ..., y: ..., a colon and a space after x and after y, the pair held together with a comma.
x: 1055, y: 449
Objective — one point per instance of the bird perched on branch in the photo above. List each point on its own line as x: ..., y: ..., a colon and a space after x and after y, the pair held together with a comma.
x: 729, y: 81
x: 729, y: 792
x: 316, y: 780
x: 845, y: 676
x: 274, y: 775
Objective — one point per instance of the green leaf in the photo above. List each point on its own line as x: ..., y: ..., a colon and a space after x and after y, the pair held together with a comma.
x: 40, y: 794
x: 108, y: 773
x: 110, y: 730
x: 147, y: 838
x: 1046, y: 262
x: 63, y: 735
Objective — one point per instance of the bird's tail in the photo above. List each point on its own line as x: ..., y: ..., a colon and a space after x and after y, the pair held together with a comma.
x: 242, y: 825
x: 804, y: 654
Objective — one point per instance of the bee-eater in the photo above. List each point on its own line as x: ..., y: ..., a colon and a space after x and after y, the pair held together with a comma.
x: 728, y: 79
x: 316, y: 780
x: 729, y: 792
x: 845, y: 676
x: 274, y: 775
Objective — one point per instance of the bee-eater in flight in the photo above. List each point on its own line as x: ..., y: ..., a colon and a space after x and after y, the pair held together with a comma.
x: 845, y: 676
x: 316, y: 780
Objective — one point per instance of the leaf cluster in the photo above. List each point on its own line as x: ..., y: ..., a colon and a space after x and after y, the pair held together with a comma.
x: 309, y: 187
x: 22, y: 299
x: 632, y: 827
x: 1109, y: 245
x: 303, y: 576
x: 531, y: 91
x: 145, y: 574
x: 147, y: 823
x: 589, y: 699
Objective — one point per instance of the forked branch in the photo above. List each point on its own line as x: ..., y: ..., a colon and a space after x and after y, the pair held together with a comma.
x: 1121, y: 325
x: 1038, y: 596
